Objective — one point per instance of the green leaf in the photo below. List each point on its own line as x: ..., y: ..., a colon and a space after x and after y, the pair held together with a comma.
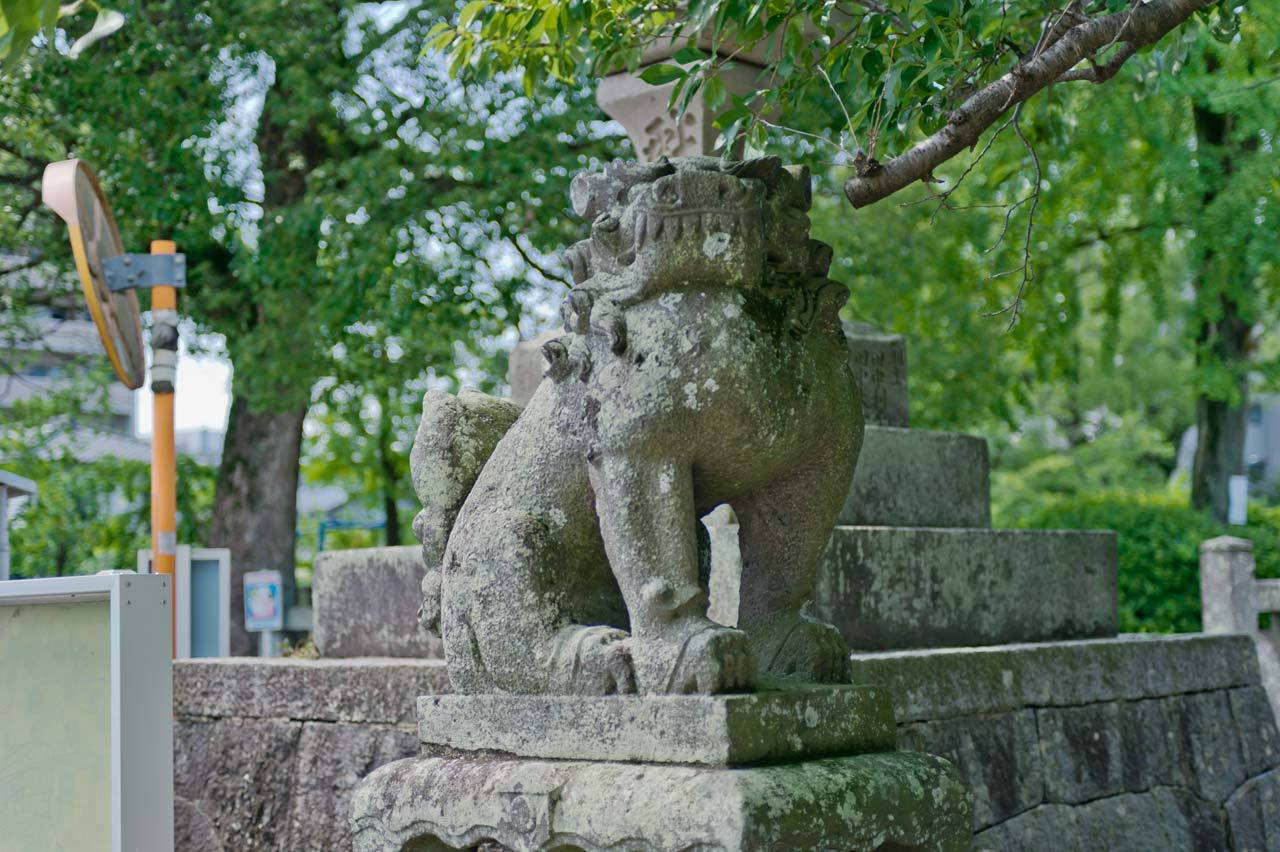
x: 657, y: 75
x: 469, y: 12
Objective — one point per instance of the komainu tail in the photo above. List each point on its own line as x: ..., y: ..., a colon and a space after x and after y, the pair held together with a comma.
x: 455, y: 438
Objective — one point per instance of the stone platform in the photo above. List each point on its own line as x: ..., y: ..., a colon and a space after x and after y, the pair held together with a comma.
x: 804, y: 768
x: 1133, y: 744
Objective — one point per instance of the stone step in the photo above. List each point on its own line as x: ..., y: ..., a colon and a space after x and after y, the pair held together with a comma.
x: 917, y: 587
x: 919, y: 478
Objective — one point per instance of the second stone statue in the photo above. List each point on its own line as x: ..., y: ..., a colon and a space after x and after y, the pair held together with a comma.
x: 703, y: 362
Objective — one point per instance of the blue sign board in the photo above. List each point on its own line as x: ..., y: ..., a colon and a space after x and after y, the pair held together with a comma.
x: 263, y: 601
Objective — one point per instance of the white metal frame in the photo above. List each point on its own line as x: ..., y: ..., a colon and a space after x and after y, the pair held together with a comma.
x: 182, y: 625
x: 11, y: 485
x: 141, y: 696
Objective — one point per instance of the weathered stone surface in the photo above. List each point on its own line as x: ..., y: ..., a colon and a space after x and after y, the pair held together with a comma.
x: 1151, y: 743
x: 1082, y: 751
x: 998, y: 757
x: 364, y: 690
x: 946, y: 682
x: 918, y: 478
x: 888, y: 587
x: 866, y: 802
x: 715, y: 730
x: 455, y: 438
x: 192, y: 830
x: 365, y: 604
x: 1251, y: 712
x: 879, y: 363
x: 1211, y: 743
x: 703, y: 363
x: 235, y: 778
x: 1156, y: 821
x: 330, y: 761
x: 1254, y: 814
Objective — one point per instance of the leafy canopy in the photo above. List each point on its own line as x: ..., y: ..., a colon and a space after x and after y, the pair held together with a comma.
x: 898, y: 69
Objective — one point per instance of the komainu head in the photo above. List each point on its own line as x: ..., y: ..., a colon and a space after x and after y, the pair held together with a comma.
x: 697, y: 220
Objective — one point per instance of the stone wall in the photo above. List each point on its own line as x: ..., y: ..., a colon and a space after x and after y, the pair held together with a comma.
x: 1135, y: 743
x: 267, y: 752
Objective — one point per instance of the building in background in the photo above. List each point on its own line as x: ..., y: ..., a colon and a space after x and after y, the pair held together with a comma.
x: 61, y: 346
x: 1261, y: 446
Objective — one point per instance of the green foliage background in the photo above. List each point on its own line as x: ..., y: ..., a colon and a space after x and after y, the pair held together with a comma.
x: 1159, y: 537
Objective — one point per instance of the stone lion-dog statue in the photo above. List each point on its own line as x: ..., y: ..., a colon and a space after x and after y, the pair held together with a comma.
x: 702, y: 363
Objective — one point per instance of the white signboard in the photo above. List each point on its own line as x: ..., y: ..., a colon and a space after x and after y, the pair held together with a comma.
x: 86, y: 729
x: 263, y: 601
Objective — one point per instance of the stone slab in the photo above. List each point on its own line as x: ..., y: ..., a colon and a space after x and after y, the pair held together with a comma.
x: 942, y: 683
x: 919, y: 478
x: 879, y: 363
x: 365, y: 603
x: 713, y: 730
x: 360, y: 690
x: 916, y: 587
x: 891, y: 800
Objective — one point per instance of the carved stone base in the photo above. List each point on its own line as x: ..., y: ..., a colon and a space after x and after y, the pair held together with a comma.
x: 889, y: 800
x: 805, y: 786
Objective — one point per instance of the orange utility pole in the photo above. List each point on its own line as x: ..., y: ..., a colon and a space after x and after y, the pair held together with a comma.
x: 164, y: 472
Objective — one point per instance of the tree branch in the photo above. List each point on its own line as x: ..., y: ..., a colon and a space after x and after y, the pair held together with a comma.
x: 1142, y: 25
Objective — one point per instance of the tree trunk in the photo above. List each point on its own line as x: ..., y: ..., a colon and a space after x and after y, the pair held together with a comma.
x: 390, y: 475
x: 255, y: 501
x: 1222, y: 339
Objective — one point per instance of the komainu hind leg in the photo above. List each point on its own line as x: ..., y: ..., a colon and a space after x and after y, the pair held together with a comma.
x: 783, y: 531
x: 649, y: 526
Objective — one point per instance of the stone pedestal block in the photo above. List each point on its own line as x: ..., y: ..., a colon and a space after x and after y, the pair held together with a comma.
x: 918, y: 478
x: 900, y: 587
x: 805, y: 768
x: 891, y: 800
x: 365, y: 603
x: 879, y: 363
x: 714, y: 730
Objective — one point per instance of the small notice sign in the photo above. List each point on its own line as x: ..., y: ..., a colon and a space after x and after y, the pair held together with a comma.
x: 263, y: 601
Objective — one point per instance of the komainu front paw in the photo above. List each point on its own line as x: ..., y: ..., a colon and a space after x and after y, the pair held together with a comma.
x: 592, y: 661
x: 695, y: 655
x: 800, y: 647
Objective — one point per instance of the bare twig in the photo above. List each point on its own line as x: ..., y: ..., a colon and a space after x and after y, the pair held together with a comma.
x: 1014, y: 308
x: 514, y: 239
x: 1144, y: 24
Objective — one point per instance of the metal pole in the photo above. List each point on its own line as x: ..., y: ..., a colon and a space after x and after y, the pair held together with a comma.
x: 4, y: 532
x: 164, y: 472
